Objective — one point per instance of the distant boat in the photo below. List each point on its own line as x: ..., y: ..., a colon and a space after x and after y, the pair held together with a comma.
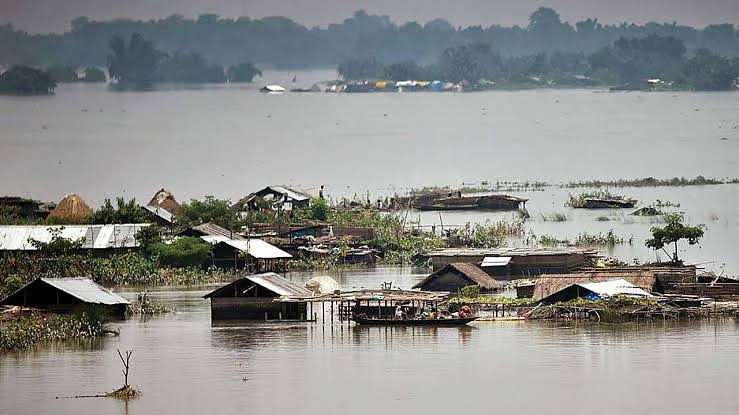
x: 272, y: 89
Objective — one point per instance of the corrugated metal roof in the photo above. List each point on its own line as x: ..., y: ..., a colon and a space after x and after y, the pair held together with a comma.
x: 211, y: 229
x: 86, y: 290
x: 257, y: 248
x: 290, y: 193
x: 16, y: 237
x: 268, y: 280
x: 278, y: 285
x: 495, y: 261
x: 160, y: 212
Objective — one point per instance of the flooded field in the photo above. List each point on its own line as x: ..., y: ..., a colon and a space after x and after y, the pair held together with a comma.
x: 184, y: 363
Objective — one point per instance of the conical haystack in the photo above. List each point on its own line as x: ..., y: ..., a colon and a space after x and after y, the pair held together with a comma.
x: 71, y: 208
x: 165, y: 200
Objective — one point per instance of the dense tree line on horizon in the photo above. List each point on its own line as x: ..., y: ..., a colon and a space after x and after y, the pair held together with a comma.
x: 282, y: 43
x: 628, y: 61
x: 139, y: 63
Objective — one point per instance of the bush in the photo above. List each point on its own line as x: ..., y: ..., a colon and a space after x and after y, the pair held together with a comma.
x: 471, y: 291
x: 319, y: 209
x: 182, y: 252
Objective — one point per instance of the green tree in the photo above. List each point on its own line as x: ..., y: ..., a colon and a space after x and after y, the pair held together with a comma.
x: 319, y: 209
x: 670, y: 234
x: 93, y: 74
x: 707, y: 71
x: 23, y: 80
x: 210, y: 209
x: 354, y: 69
x: 135, y: 63
x: 63, y: 73
x: 123, y: 212
x: 243, y: 72
x: 57, y: 245
x: 182, y: 252
x: 189, y: 68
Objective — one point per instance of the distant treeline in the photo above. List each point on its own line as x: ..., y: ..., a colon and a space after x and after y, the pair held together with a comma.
x: 282, y: 43
x: 628, y: 61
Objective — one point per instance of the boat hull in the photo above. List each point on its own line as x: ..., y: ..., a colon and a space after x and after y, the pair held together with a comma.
x: 393, y: 322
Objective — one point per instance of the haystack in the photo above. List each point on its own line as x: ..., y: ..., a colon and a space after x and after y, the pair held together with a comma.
x: 165, y: 200
x: 71, y: 208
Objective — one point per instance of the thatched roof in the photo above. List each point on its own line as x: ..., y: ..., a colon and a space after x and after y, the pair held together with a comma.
x: 548, y: 284
x: 72, y: 207
x: 470, y: 271
x: 165, y: 200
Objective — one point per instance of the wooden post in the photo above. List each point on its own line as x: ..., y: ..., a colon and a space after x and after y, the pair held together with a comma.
x: 332, y: 312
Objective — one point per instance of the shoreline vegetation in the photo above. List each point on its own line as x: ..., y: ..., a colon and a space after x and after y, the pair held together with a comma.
x: 373, y: 54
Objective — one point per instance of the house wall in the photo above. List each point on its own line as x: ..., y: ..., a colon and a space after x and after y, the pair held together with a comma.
x: 255, y: 308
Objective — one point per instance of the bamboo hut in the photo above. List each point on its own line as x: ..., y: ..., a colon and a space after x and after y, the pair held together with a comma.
x: 72, y: 208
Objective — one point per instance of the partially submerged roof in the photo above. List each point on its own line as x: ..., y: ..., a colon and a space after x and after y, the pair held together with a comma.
x: 600, y: 290
x: 372, y: 295
x: 288, y: 193
x: 508, y: 252
x: 268, y: 280
x: 84, y: 289
x: 160, y: 212
x: 470, y: 271
x: 16, y: 237
x: 256, y: 248
x: 549, y: 284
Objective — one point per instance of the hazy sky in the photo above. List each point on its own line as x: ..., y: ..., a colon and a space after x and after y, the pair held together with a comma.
x: 54, y: 15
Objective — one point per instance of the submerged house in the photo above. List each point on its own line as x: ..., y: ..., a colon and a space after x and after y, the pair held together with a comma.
x: 596, y: 291
x: 64, y: 295
x: 455, y: 276
x: 253, y: 298
x: 524, y: 262
x: 254, y: 254
x: 546, y: 285
x: 278, y: 197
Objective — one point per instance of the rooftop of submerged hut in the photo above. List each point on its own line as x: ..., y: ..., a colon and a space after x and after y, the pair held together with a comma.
x: 470, y: 272
x: 371, y: 295
x: 549, y: 284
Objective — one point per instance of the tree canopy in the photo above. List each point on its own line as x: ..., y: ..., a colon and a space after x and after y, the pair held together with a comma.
x: 22, y: 80
x: 674, y: 231
x: 283, y: 43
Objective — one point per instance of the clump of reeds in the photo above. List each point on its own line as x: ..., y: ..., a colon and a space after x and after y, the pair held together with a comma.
x: 554, y: 217
x: 650, y: 182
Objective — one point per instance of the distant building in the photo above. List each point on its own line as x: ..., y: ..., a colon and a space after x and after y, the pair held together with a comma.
x: 27, y: 208
x: 163, y: 208
x: 524, y: 262
x: 455, y: 276
x: 252, y: 298
x: 280, y: 197
x: 64, y: 295
x: 96, y: 237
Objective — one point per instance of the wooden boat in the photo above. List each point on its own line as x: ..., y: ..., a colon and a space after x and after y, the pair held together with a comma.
x: 413, y: 322
x: 609, y: 203
x: 489, y: 202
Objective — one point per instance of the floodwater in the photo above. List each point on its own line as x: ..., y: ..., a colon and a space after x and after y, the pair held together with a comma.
x: 229, y: 140
x: 184, y: 363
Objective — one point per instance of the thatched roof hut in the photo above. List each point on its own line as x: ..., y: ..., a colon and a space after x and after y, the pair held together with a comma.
x: 456, y: 276
x: 549, y: 284
x: 71, y: 208
x: 165, y: 200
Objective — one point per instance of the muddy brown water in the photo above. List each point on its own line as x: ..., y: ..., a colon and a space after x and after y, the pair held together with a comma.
x: 184, y: 363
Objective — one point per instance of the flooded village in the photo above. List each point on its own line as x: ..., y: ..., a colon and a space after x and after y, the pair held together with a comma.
x: 314, y: 208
